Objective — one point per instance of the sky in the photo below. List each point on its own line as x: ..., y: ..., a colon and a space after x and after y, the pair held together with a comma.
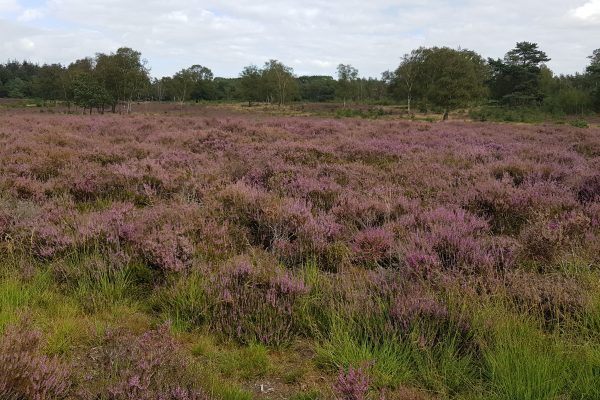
x: 311, y: 36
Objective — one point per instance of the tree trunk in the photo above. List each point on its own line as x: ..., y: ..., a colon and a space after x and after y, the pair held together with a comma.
x: 409, y: 104
x: 446, y: 115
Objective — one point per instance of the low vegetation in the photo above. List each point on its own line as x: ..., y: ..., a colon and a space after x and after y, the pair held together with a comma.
x: 239, y: 256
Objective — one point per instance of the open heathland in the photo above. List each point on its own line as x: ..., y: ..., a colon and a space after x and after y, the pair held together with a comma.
x: 231, y: 255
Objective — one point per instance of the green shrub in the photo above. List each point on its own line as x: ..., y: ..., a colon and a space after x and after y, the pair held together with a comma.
x: 390, y: 362
x: 521, y: 363
x: 183, y: 302
x: 248, y: 362
x: 580, y: 123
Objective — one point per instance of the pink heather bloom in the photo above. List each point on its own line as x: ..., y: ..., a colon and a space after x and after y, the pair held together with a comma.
x: 352, y: 385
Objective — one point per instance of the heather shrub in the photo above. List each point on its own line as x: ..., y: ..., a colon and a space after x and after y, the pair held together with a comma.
x: 253, y: 304
x: 502, y: 206
x: 161, y: 236
x: 516, y: 173
x: 447, y: 239
x: 148, y: 366
x: 589, y: 190
x: 286, y: 226
x: 373, y: 246
x: 25, y: 372
x: 414, y: 304
x: 45, y: 232
x: 28, y: 188
x: 544, y: 240
x: 553, y: 296
x: 352, y: 385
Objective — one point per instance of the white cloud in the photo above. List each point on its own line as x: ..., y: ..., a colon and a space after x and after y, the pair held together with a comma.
x: 588, y: 11
x: 8, y: 6
x: 30, y: 14
x: 178, y: 16
x: 313, y: 36
x: 26, y: 44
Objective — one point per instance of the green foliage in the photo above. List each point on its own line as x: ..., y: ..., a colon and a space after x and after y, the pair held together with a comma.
x: 195, y: 82
x: 510, y: 114
x: 444, y: 366
x: 279, y: 82
x: 89, y: 94
x: 371, y: 113
x: 18, y: 296
x: 580, y: 123
x: 452, y: 78
x: 390, y: 362
x: 441, y: 77
x: 523, y: 364
x: 183, y: 302
x: 347, y: 77
x: 249, y: 362
x: 317, y: 88
x: 516, y: 79
x: 250, y: 84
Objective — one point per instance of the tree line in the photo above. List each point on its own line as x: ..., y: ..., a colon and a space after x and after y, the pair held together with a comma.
x: 435, y: 78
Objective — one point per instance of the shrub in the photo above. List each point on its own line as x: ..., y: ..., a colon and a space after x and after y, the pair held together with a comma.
x: 372, y: 246
x: 184, y: 302
x: 523, y: 364
x: 352, y: 384
x: 416, y: 304
x: 149, y: 367
x: 589, y: 191
x: 580, y: 123
x: 252, y: 305
x: 27, y: 373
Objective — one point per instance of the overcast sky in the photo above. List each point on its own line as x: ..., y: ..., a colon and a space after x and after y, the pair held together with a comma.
x: 311, y: 36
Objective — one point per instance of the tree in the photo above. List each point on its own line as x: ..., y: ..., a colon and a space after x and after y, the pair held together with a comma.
x: 193, y: 82
x: 593, y: 76
x: 49, y: 83
x: 317, y: 88
x: 279, y: 81
x: 449, y: 78
x: 226, y: 88
x: 250, y: 84
x: 515, y: 80
x: 202, y: 83
x: 16, y: 88
x: 347, y: 76
x: 134, y: 74
x: 405, y: 76
x: 182, y: 84
x: 123, y: 74
x: 88, y: 93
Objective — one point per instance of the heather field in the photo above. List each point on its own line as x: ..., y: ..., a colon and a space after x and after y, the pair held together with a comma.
x: 229, y: 255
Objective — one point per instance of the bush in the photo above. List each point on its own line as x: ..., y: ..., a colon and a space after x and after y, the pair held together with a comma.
x: 150, y: 366
x: 26, y: 373
x: 579, y: 123
x: 250, y: 304
x: 184, y: 302
x: 352, y: 385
